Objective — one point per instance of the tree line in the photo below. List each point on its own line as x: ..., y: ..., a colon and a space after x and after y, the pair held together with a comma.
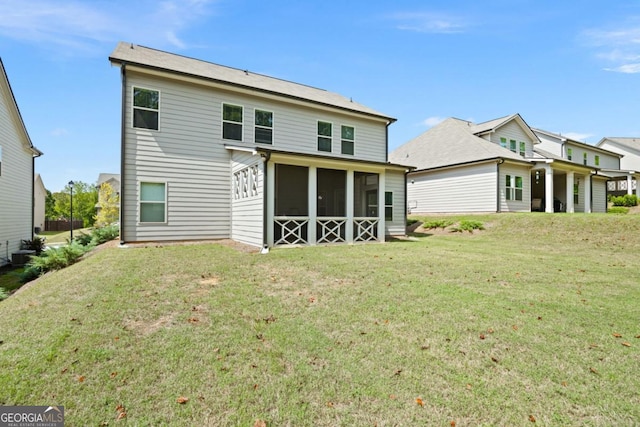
x: 95, y: 206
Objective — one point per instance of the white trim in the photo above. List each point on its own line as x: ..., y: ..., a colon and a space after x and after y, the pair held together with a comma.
x: 272, y: 128
x: 324, y: 136
x: 133, y: 106
x: 166, y: 201
x: 354, y: 139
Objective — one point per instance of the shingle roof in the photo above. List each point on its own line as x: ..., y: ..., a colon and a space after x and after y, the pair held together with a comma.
x: 128, y: 53
x: 449, y: 143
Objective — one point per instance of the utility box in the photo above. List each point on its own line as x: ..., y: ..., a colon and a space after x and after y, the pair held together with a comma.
x: 21, y: 257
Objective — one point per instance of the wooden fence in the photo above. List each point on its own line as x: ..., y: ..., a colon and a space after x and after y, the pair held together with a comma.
x: 50, y: 225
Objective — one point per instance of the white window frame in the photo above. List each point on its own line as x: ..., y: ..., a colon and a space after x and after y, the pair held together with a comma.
x: 513, y: 145
x: 585, y: 158
x: 387, y: 206
x: 232, y: 122
x: 352, y: 141
x: 140, y: 202
x: 503, y: 142
x: 134, y: 107
x: 522, y: 148
x: 596, y: 160
x: 329, y: 137
x: 511, y: 191
x: 569, y: 154
x: 257, y: 126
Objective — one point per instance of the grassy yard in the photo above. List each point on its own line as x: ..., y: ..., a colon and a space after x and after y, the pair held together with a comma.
x: 535, y: 319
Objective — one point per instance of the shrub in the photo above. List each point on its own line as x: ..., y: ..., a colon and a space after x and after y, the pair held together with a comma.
x: 468, y: 225
x: 439, y: 223
x: 36, y: 244
x: 627, y: 200
x: 52, y: 259
x: 618, y: 210
x: 4, y: 294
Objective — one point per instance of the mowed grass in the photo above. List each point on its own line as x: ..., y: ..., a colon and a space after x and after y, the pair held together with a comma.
x: 536, y: 318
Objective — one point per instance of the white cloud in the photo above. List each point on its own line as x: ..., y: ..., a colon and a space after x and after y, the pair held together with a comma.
x: 432, y: 121
x: 620, y: 47
x: 428, y: 22
x: 78, y: 25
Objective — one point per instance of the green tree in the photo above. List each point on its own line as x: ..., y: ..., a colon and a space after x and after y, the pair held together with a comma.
x: 108, y: 205
x: 50, y: 206
x: 85, y: 197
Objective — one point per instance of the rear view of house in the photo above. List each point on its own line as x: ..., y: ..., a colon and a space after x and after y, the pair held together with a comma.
x: 17, y: 155
x: 212, y: 152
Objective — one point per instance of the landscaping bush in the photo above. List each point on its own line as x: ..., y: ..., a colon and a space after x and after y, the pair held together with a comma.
x: 4, y: 294
x: 37, y: 244
x: 618, y: 210
x: 628, y: 200
x: 438, y: 223
x: 468, y: 225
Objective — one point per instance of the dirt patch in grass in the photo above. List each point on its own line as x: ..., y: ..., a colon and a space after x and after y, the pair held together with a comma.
x: 146, y: 327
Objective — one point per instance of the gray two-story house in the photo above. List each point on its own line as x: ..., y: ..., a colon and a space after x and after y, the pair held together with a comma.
x: 212, y: 152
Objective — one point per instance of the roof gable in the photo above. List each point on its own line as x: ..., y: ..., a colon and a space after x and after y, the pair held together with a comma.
x: 628, y: 143
x: 449, y: 143
x: 564, y: 140
x: 128, y: 53
x: 494, y: 125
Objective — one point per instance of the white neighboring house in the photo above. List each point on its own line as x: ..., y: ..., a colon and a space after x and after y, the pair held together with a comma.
x: 212, y: 152
x: 494, y: 166
x: 629, y: 149
x: 39, y: 202
x: 17, y: 158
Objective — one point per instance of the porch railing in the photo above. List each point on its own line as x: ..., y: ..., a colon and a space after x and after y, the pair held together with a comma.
x: 331, y: 230
x: 291, y: 230
x: 365, y: 229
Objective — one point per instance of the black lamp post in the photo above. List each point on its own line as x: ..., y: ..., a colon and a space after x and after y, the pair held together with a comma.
x: 71, y: 208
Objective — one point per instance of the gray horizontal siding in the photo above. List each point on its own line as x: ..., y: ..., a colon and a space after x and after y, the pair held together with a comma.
x: 394, y: 182
x: 515, y: 205
x: 599, y: 195
x: 247, y: 213
x: 464, y: 189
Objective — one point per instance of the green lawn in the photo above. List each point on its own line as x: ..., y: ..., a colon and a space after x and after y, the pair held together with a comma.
x: 535, y: 318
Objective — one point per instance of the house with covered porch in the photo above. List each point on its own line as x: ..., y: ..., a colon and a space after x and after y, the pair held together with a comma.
x: 213, y: 152
x: 625, y: 179
x: 495, y: 166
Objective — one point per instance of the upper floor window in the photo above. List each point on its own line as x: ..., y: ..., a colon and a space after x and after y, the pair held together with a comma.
x: 512, y: 145
x: 324, y: 136
x: 503, y: 142
x: 597, y: 160
x: 569, y: 153
x: 523, y: 148
x: 513, y: 187
x: 232, y: 122
x: 153, y: 206
x: 264, y: 127
x: 584, y: 158
x: 348, y: 139
x: 146, y: 108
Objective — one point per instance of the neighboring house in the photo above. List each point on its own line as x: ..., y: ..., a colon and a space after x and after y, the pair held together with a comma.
x: 39, y: 202
x: 494, y: 166
x: 17, y: 155
x: 629, y: 148
x: 212, y: 152
x: 113, y: 180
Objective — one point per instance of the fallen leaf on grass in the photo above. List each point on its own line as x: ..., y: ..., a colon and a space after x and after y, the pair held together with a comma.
x: 419, y: 401
x: 617, y: 335
x: 594, y: 370
x: 532, y: 418
x: 182, y: 400
x: 121, y: 412
x: 193, y: 320
x: 626, y: 344
x: 81, y: 379
x: 260, y: 423
x: 493, y: 359
x: 515, y: 327
x: 114, y: 374
x: 452, y: 424
x: 563, y: 383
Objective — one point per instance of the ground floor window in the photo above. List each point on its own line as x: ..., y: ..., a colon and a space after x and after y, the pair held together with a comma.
x: 576, y: 193
x: 388, y: 206
x: 153, y: 205
x: 513, y: 186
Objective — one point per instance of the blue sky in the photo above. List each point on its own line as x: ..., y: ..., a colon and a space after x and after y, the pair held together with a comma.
x: 566, y: 67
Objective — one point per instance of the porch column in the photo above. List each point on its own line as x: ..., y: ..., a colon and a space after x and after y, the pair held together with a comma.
x: 637, y: 188
x: 569, y: 203
x: 349, y: 208
x: 587, y: 193
x: 629, y: 190
x: 381, y: 191
x: 313, y: 205
x: 271, y: 200
x: 548, y: 189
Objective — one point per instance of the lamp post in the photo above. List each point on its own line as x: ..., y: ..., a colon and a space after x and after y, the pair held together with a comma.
x: 71, y: 208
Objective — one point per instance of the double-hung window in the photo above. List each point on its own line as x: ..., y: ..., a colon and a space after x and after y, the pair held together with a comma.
x: 146, y: 108
x: 388, y: 206
x: 324, y: 136
x: 512, y: 145
x: 348, y: 139
x: 264, y: 127
x: 569, y: 154
x: 503, y: 142
x: 153, y: 202
x: 232, y: 122
x: 597, y: 160
x: 584, y: 158
x: 523, y: 148
x: 513, y: 187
